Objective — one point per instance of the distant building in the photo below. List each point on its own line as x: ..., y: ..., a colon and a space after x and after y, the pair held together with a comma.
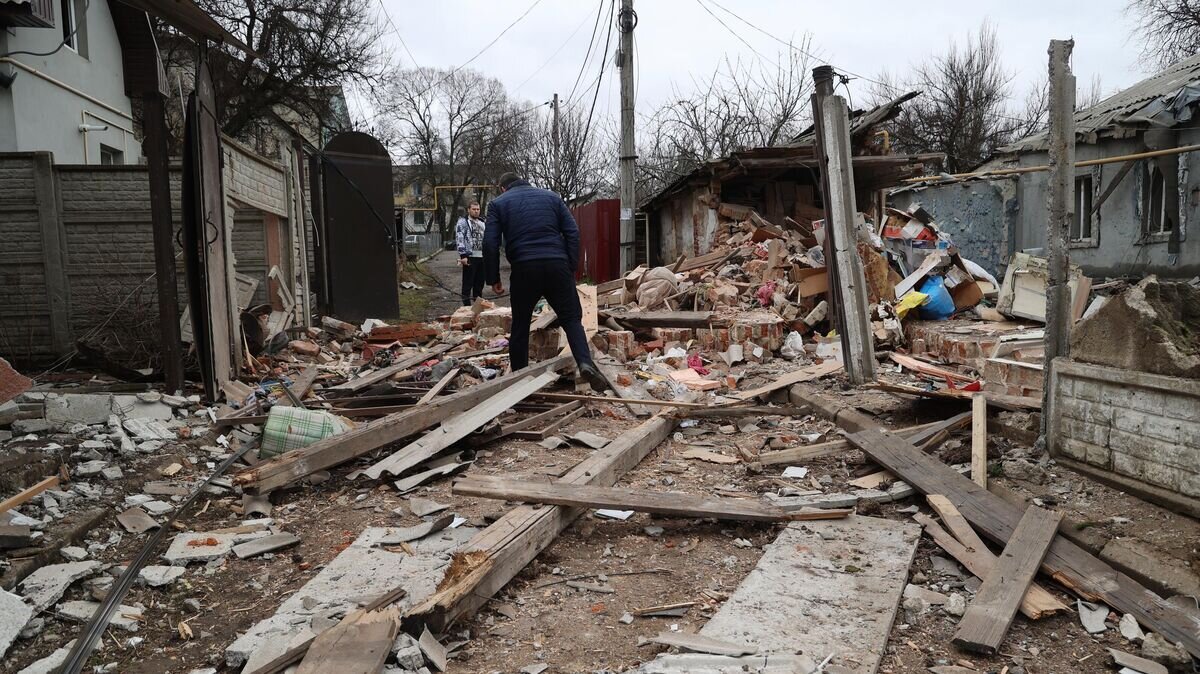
x: 62, y: 82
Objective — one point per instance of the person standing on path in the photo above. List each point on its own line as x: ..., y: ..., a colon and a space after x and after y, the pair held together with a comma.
x: 541, y: 242
x: 468, y: 234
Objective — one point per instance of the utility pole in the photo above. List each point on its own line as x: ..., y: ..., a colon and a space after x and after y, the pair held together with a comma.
x: 1060, y: 203
x: 554, y: 137
x: 847, y: 282
x: 626, y: 21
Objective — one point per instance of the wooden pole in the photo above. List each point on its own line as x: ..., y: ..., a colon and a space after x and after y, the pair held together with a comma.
x: 847, y: 281
x: 154, y: 146
x: 979, y: 443
x: 1060, y: 202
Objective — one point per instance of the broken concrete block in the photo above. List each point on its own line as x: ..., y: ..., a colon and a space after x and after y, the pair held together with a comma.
x: 158, y: 507
x: 66, y: 410
x: 1148, y: 562
x: 25, y: 426
x: 14, y: 536
x: 90, y: 468
x: 265, y: 544
x: 157, y: 576
x: 136, y: 407
x: 112, y: 473
x: 44, y: 587
x: 51, y: 663
x: 198, y: 547
x: 1152, y: 327
x: 1174, y: 656
x: 127, y: 618
x: 73, y: 553
x: 14, y: 614
x: 407, y: 652
x: 148, y: 429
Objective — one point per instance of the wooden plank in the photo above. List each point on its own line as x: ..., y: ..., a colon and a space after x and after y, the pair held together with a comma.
x: 505, y: 430
x: 989, y: 616
x: 916, y: 434
x: 791, y: 378
x: 666, y: 319
x: 382, y: 374
x: 674, y: 504
x: 458, y: 427
x: 498, y: 553
x: 359, y: 644
x: 633, y: 389
x: 955, y: 522
x: 979, y: 440
x: 1066, y: 562
x: 553, y: 427
x: 1003, y: 401
x: 439, y: 386
x: 940, y: 373
x: 323, y: 454
x: 28, y: 493
x: 1037, y: 603
x: 653, y: 402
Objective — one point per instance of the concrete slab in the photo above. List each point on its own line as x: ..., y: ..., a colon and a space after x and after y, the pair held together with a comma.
x: 198, y: 547
x: 359, y: 574
x: 134, y: 407
x: 14, y: 614
x: 66, y: 410
x: 51, y: 663
x: 265, y: 544
x: 126, y: 618
x: 44, y: 587
x: 73, y: 553
x: 821, y: 588
x: 148, y: 429
x: 157, y: 576
x: 89, y: 468
x: 1148, y: 562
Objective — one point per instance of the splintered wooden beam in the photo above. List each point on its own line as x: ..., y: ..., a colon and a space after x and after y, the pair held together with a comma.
x: 990, y: 614
x: 498, y: 553
x: 323, y: 454
x: 381, y: 374
x: 1038, y: 601
x: 441, y: 384
x: 792, y: 378
x: 1066, y: 562
x: 359, y: 644
x: 674, y: 504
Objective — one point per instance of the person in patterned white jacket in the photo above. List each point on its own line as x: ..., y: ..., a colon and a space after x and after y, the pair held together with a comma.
x: 468, y: 234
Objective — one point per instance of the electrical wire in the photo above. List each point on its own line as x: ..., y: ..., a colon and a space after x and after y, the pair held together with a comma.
x: 86, y: 4
x: 551, y: 57
x: 588, y: 55
x: 587, y: 129
x: 736, y: 34
x: 398, y: 35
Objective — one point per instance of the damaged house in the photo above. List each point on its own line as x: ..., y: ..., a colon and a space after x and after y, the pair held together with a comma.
x: 1137, y: 186
x: 685, y: 217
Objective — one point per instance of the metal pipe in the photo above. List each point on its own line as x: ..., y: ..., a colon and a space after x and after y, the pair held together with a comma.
x: 1079, y: 164
x: 63, y: 85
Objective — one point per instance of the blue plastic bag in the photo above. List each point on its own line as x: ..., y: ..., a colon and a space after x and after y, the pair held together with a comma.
x: 940, y: 305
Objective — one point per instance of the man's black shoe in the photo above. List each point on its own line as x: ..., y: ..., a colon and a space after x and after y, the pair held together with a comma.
x: 594, y: 377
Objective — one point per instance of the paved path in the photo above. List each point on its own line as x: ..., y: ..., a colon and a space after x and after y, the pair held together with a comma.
x: 444, y: 267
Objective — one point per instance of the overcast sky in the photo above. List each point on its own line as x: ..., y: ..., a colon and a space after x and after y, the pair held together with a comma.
x: 677, y: 40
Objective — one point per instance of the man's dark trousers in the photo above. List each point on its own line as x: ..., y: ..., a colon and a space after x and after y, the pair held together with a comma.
x: 553, y: 280
x: 472, y: 280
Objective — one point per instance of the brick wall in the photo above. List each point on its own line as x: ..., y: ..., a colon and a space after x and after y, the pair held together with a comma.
x: 253, y: 180
x: 24, y: 305
x: 1137, y: 425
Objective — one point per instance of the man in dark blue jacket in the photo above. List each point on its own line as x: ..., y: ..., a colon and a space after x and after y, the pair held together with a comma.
x: 541, y: 242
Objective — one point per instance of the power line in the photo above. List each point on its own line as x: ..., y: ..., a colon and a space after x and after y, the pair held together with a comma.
x: 551, y: 57
x: 607, y: 39
x: 398, y: 35
x: 735, y: 33
x: 588, y: 55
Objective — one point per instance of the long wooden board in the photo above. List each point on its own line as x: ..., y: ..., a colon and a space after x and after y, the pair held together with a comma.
x: 458, y: 427
x: 383, y: 373
x: 1066, y: 562
x: 791, y: 378
x: 989, y: 616
x: 359, y: 644
x: 1038, y: 601
x: 498, y: 553
x: 675, y: 504
x: 916, y: 434
x: 26, y: 494
x: 291, y: 466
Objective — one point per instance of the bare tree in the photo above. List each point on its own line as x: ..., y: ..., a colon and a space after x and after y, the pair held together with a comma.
x: 303, y: 47
x: 739, y: 106
x: 455, y: 127
x: 966, y: 108
x: 1169, y: 29
x: 585, y: 155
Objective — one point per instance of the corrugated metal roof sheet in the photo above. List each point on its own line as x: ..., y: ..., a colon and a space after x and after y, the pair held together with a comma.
x: 1150, y: 103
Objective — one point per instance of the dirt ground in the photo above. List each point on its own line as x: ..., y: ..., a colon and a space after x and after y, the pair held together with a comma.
x: 538, y: 619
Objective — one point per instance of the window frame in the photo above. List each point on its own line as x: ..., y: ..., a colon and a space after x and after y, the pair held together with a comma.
x: 1091, y: 178
x: 70, y: 30
x: 1168, y: 208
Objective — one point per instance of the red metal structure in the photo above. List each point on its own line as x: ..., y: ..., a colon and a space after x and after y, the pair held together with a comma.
x: 599, y: 240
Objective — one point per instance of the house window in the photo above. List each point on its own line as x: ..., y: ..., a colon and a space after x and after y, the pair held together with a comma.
x: 1160, y: 200
x: 111, y: 156
x: 1081, y: 227
x: 419, y: 218
x: 69, y: 36
x: 417, y: 189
